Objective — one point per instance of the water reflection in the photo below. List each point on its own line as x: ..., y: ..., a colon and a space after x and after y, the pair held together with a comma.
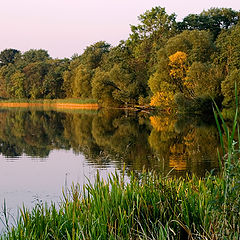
x: 164, y: 142
x: 185, y: 143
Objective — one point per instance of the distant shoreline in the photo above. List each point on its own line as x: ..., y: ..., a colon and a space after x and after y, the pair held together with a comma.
x: 56, y: 105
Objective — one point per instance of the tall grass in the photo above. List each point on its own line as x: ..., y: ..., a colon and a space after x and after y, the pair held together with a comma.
x: 230, y: 171
x: 147, y: 206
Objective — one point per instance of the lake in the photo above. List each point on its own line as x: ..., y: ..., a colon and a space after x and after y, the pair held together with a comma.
x: 44, y: 152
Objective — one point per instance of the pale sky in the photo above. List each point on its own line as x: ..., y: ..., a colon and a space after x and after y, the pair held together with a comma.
x: 65, y: 27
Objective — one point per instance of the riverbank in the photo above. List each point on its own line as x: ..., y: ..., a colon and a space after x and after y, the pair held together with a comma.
x: 56, y: 103
x: 72, y: 103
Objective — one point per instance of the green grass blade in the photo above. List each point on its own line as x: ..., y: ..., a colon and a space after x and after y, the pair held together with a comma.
x: 219, y: 131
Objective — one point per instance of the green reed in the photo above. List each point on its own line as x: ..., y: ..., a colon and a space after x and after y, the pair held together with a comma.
x: 148, y: 207
x: 230, y: 171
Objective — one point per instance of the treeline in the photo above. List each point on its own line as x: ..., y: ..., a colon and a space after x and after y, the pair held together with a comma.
x: 163, y: 63
x: 33, y: 74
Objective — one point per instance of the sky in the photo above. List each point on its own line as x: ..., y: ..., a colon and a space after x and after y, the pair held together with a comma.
x: 66, y: 27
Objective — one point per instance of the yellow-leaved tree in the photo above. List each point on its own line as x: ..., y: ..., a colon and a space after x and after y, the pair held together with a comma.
x: 174, y: 82
x: 163, y: 95
x: 178, y: 65
x: 178, y: 71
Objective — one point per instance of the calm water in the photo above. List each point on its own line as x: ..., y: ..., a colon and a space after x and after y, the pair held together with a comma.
x: 43, y: 152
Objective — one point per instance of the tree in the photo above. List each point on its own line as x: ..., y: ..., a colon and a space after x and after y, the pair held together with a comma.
x: 103, y: 88
x: 155, y: 24
x: 17, y: 81
x: 119, y: 85
x: 8, y: 56
x: 125, y: 88
x: 228, y: 46
x: 3, y: 83
x: 198, y: 45
x: 6, y: 72
x: 78, y: 77
x: 163, y: 99
x: 183, y: 74
x: 81, y: 84
x: 93, y: 54
x: 204, y: 79
x: 68, y: 77
x: 146, y: 38
x: 35, y: 74
x: 77, y: 80
x: 173, y: 63
x: 178, y: 70
x: 32, y: 56
x: 214, y: 19
x: 228, y: 87
x: 53, y: 80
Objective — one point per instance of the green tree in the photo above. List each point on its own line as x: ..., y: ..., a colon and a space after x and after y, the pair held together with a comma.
x: 103, y: 87
x: 8, y: 56
x: 82, y: 82
x: 205, y: 79
x: 154, y: 23
x: 93, y: 54
x: 17, y: 81
x: 146, y: 38
x: 125, y: 78
x: 68, y: 77
x: 32, y: 56
x: 35, y: 74
x: 214, y: 19
x: 118, y: 85
x: 78, y: 77
x: 3, y: 82
x: 228, y: 87
x: 53, y: 80
x: 198, y: 45
x: 228, y: 45
x: 6, y: 72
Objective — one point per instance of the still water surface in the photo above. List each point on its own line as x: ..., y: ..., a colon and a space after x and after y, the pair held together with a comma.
x: 43, y: 152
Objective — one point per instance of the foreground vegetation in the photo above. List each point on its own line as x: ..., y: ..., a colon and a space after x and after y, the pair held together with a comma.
x: 149, y: 207
x: 146, y: 206
x: 163, y: 62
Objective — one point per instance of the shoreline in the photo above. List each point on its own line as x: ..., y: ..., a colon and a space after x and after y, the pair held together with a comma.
x: 62, y: 105
x: 94, y: 106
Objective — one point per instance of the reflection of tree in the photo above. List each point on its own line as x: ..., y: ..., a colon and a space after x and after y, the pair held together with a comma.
x: 78, y: 131
x: 9, y: 150
x: 177, y: 157
x: 184, y: 144
x: 163, y: 139
x: 34, y: 133
x: 123, y: 138
x: 161, y: 123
